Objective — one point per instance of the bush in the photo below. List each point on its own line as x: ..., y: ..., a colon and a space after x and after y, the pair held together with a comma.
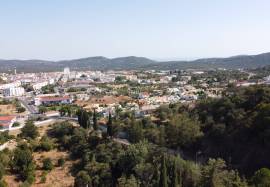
x: 29, y: 130
x: 46, y: 144
x: 47, y: 164
x: 22, y: 162
x: 20, y: 109
x: 31, y: 178
x: 43, y: 177
x: 61, y: 162
x: 16, y: 124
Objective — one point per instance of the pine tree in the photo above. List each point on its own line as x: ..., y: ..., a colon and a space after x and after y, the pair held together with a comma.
x: 163, y: 181
x: 109, y: 126
x: 95, y: 125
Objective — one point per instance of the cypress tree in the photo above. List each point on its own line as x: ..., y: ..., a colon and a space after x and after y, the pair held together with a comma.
x: 85, y: 119
x: 79, y: 113
x: 109, y: 126
x: 95, y: 125
x: 163, y: 181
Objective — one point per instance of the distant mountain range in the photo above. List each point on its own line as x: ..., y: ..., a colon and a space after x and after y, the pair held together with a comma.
x: 134, y: 63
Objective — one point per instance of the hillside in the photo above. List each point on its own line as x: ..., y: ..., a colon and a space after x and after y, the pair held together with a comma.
x: 132, y: 62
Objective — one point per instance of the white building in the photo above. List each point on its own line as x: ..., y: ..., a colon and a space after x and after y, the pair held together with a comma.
x: 10, y: 85
x: 13, y: 91
x: 66, y: 71
x: 39, y: 85
x: 52, y: 100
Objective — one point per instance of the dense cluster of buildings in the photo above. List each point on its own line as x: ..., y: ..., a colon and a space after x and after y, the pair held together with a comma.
x: 139, y: 91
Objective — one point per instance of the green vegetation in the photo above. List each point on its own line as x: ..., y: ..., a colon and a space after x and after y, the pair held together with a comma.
x: 4, y: 137
x: 222, y: 142
x: 48, y: 89
x: 16, y: 124
x: 61, y: 162
x: 105, y: 163
x: 42, y: 109
x: 5, y: 102
x: 45, y: 144
x: 29, y: 130
x: 20, y: 109
x: 23, y: 164
x: 47, y: 164
x: 76, y: 89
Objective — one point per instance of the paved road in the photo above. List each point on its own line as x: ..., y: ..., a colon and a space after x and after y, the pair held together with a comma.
x: 31, y: 108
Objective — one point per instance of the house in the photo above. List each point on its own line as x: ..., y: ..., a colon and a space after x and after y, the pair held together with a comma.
x: 6, y: 122
x: 52, y: 100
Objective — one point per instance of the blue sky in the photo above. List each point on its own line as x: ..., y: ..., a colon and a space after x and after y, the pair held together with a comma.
x: 158, y: 29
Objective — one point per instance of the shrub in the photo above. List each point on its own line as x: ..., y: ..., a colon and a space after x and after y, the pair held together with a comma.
x: 47, y: 164
x: 46, y: 144
x: 16, y: 124
x: 61, y: 162
x: 43, y: 177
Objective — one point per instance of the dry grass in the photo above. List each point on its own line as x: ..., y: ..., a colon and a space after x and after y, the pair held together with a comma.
x: 8, y: 109
x: 58, y: 177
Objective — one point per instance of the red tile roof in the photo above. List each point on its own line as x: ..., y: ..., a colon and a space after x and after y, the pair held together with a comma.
x: 4, y: 124
x: 7, y: 118
x: 54, y: 98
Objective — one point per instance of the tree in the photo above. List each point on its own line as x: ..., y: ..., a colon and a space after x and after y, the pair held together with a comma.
x: 61, y: 161
x: 16, y: 124
x: 20, y: 109
x: 46, y: 144
x: 83, y: 118
x: 42, y: 109
x: 125, y: 181
x: 29, y: 130
x: 175, y: 176
x: 22, y: 162
x: 261, y: 178
x: 2, y: 170
x: 135, y: 132
x: 109, y: 126
x: 82, y: 179
x: 182, y: 131
x: 215, y: 174
x: 95, y: 124
x: 163, y: 181
x: 47, y: 164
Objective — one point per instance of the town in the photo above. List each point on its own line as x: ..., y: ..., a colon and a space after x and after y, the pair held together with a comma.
x: 40, y: 96
x: 126, y: 108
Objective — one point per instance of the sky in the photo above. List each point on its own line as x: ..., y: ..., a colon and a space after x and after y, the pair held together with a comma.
x: 157, y: 29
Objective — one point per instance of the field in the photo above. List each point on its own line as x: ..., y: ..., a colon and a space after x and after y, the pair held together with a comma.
x: 57, y: 177
x: 9, y: 109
